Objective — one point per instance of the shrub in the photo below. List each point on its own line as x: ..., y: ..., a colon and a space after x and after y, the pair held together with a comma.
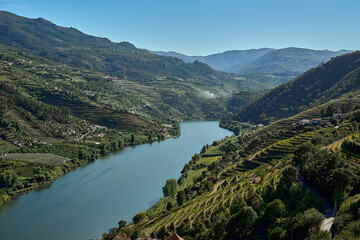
x: 139, y: 217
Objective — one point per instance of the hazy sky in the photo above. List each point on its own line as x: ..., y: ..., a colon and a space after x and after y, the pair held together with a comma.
x: 201, y: 27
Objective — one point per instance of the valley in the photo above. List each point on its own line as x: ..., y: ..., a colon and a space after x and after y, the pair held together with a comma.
x: 245, y: 144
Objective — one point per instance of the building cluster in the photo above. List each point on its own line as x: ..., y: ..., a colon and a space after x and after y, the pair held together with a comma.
x: 145, y: 104
x: 69, y: 132
x: 317, y: 121
x: 256, y: 126
x: 96, y: 127
x: 23, y: 143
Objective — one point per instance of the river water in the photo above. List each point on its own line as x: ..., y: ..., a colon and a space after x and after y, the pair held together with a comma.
x: 91, y: 199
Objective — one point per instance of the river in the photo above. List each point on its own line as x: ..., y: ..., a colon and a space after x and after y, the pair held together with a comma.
x: 91, y: 199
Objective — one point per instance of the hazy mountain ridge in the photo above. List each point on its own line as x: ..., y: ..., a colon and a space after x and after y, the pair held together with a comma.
x: 290, y: 61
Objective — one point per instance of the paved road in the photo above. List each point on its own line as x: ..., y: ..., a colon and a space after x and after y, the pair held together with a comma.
x: 327, y: 224
x: 329, y: 207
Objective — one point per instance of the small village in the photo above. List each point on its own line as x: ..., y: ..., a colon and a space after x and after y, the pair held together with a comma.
x: 317, y: 121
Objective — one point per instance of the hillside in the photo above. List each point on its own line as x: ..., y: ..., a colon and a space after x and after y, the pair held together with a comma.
x: 70, y: 46
x: 248, y: 187
x: 318, y: 85
x: 287, y: 61
x: 54, y: 118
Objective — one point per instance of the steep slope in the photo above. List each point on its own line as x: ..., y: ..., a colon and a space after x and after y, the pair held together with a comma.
x: 240, y: 187
x: 328, y: 81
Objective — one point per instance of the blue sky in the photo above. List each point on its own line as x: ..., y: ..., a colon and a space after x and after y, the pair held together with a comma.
x: 201, y: 27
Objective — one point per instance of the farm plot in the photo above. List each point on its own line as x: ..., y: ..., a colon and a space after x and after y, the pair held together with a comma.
x: 44, y: 158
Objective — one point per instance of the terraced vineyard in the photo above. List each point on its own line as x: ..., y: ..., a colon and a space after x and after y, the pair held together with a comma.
x: 250, y: 165
x: 246, y: 179
x: 225, y: 193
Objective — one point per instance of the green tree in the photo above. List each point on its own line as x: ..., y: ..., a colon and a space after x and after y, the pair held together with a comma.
x: 241, y: 223
x: 237, y: 130
x: 169, y: 206
x: 289, y: 176
x: 122, y: 223
x: 139, y: 217
x: 181, y: 197
x: 169, y: 190
x: 277, y: 233
x: 203, y: 150
x: 321, y: 235
x: 135, y: 235
x: 313, y: 219
x: 275, y: 209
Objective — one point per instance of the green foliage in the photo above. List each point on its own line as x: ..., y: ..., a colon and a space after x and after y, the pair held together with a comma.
x: 321, y: 235
x: 312, y: 218
x: 181, y: 197
x: 351, y: 231
x: 275, y: 209
x: 169, y: 206
x: 351, y: 146
x: 241, y: 223
x: 170, y: 188
x: 289, y: 177
x: 325, y: 169
x: 139, y: 217
x: 277, y: 233
x: 122, y: 223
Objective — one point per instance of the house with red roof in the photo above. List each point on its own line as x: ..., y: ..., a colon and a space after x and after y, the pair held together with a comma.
x: 175, y: 237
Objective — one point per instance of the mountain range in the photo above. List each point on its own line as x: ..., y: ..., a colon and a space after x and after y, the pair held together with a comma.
x: 287, y: 61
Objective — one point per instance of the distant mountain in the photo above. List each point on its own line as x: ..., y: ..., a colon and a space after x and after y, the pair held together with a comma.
x: 287, y: 61
x: 183, y: 57
x: 291, y: 61
x: 223, y: 61
x: 329, y: 81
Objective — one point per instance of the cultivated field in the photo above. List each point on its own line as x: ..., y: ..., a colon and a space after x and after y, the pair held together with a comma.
x: 44, y: 158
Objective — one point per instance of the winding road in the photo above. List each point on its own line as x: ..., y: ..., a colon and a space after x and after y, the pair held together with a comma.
x: 329, y: 207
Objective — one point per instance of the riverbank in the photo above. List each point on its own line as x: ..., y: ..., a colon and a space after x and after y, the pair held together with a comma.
x: 85, y: 202
x: 21, y: 176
